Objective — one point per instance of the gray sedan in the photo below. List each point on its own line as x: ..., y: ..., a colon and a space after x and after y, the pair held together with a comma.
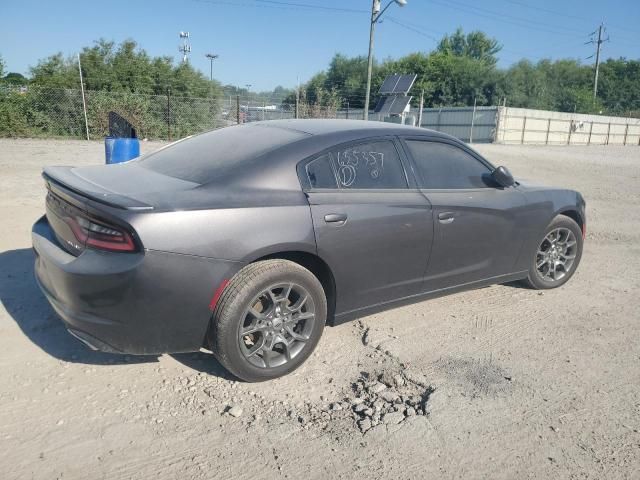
x: 249, y: 239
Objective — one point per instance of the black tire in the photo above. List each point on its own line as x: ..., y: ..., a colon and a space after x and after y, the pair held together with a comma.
x: 536, y: 279
x: 229, y: 317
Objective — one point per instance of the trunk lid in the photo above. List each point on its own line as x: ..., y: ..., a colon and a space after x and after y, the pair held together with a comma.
x: 73, y: 195
x: 125, y: 186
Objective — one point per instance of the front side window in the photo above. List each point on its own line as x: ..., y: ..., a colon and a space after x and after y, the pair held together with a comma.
x: 444, y: 166
x: 369, y: 166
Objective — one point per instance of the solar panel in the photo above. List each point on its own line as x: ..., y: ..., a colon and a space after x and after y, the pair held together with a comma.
x: 399, y: 105
x: 384, y: 105
x: 389, y: 85
x: 396, y: 84
x: 394, y: 105
x: 405, y: 83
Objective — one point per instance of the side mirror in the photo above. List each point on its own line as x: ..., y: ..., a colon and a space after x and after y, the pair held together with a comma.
x: 502, y: 176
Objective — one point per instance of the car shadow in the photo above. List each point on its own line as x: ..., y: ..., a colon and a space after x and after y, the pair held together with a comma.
x: 204, y: 362
x: 22, y: 299
x: 518, y: 284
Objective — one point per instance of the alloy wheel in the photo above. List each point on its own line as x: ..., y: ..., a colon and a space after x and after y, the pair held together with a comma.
x: 277, y: 325
x: 556, y: 254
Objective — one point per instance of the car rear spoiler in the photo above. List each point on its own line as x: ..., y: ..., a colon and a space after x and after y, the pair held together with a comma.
x: 64, y: 177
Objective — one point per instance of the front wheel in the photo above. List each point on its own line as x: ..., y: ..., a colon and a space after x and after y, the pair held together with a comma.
x: 557, y: 255
x: 268, y: 320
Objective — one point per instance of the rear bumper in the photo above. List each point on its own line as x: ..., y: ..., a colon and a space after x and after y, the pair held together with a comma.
x: 138, y: 303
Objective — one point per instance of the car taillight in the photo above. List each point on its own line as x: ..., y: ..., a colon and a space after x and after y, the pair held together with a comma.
x: 99, y: 235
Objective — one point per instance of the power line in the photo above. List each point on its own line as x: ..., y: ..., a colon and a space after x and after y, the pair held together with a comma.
x: 413, y: 29
x: 562, y: 14
x: 281, y: 5
x: 493, y: 15
x: 313, y: 6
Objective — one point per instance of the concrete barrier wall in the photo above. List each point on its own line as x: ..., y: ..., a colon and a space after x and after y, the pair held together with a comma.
x: 542, y: 127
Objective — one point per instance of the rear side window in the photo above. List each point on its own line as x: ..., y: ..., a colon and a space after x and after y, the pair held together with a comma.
x: 444, y: 166
x: 320, y: 173
x: 369, y: 165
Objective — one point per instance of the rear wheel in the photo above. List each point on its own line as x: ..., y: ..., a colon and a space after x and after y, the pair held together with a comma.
x: 268, y: 320
x: 557, y: 255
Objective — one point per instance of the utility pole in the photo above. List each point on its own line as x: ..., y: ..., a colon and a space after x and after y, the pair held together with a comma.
x: 376, y: 13
x: 598, y: 44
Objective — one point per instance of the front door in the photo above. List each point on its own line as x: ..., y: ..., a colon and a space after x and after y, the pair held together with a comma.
x: 475, y: 221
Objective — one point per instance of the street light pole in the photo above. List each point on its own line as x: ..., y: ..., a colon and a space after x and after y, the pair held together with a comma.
x: 211, y: 58
x: 376, y: 4
x: 376, y: 13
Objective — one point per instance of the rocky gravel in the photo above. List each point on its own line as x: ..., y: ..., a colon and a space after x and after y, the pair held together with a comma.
x: 498, y: 383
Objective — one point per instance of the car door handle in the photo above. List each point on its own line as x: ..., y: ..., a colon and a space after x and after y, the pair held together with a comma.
x: 446, y: 217
x: 335, y: 218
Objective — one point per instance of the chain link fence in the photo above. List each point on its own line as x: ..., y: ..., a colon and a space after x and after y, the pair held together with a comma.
x: 46, y: 112
x: 34, y: 112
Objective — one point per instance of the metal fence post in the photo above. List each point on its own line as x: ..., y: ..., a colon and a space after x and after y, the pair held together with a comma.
x: 421, y: 107
x: 84, y: 101
x: 608, y: 132
x: 626, y: 130
x: 503, y: 121
x: 524, y: 127
x: 439, y: 115
x: 473, y: 119
x: 546, y: 140
x: 238, y: 109
x: 590, y: 130
x: 168, y: 114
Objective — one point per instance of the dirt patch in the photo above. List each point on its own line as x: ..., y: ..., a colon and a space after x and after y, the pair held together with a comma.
x: 570, y: 410
x: 477, y: 377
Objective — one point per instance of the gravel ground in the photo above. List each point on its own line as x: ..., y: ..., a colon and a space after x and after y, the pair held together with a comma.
x: 501, y: 382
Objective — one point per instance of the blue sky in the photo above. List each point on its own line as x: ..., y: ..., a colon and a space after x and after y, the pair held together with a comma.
x: 266, y: 43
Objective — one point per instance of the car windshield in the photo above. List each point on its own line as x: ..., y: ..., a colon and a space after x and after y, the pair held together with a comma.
x: 203, y: 158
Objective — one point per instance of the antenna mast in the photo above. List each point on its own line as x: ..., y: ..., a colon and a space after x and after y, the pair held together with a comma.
x: 185, y: 48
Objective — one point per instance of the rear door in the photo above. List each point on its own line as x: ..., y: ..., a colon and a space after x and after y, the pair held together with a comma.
x: 372, y: 224
x: 476, y: 222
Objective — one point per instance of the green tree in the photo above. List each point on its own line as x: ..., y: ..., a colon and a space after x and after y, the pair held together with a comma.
x: 16, y: 79
x: 476, y: 45
x: 619, y: 86
x: 123, y: 68
x: 55, y: 72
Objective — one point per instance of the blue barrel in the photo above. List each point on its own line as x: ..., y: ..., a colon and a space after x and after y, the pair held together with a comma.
x: 121, y: 149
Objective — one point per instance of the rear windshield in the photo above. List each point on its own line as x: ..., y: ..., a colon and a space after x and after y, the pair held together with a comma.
x: 215, y: 154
